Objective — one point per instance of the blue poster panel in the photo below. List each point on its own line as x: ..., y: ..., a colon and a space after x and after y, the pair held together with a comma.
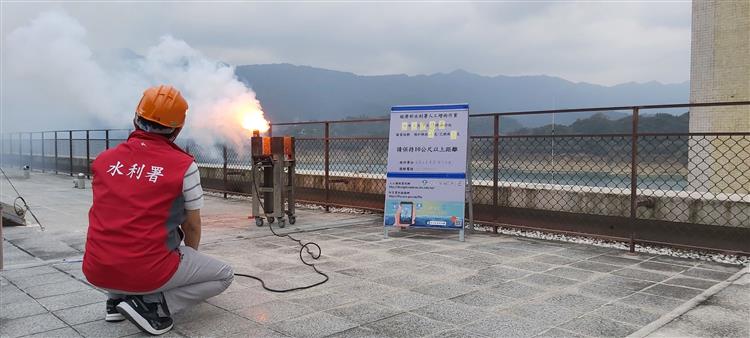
x: 425, y: 183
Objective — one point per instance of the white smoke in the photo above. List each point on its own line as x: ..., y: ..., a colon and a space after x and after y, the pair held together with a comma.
x: 53, y: 80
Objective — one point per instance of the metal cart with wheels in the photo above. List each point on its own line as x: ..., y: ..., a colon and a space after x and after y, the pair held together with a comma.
x: 273, y: 180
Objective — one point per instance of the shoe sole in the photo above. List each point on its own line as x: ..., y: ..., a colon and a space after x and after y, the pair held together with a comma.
x: 114, y: 317
x: 134, y: 317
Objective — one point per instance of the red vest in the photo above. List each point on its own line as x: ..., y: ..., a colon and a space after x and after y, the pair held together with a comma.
x: 138, y: 207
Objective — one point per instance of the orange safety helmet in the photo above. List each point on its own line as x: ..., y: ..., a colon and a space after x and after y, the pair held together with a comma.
x: 163, y: 105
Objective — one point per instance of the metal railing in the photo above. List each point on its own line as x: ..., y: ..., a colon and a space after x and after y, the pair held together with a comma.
x: 679, y: 188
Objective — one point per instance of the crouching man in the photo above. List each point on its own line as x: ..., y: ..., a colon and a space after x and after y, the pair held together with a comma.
x: 147, y: 199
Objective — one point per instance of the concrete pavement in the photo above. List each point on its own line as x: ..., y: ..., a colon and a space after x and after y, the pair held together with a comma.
x: 416, y: 283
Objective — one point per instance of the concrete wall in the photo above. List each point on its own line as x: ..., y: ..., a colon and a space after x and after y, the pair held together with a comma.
x: 720, y: 71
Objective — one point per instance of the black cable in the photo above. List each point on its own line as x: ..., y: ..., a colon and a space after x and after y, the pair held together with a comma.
x: 303, y: 246
x: 20, y: 210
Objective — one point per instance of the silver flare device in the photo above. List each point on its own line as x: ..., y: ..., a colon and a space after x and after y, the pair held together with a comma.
x: 273, y: 179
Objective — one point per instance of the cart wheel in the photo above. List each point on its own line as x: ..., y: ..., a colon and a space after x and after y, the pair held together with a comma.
x: 259, y: 221
x: 282, y: 223
x: 270, y: 220
x: 292, y: 219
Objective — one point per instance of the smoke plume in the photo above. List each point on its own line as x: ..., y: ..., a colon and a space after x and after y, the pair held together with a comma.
x: 53, y: 80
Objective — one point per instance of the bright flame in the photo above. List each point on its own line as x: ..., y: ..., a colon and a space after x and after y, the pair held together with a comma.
x: 254, y: 120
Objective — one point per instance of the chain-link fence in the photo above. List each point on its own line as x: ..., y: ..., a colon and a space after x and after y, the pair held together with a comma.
x: 687, y: 188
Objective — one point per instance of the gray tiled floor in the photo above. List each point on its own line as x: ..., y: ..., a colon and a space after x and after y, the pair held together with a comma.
x: 416, y: 283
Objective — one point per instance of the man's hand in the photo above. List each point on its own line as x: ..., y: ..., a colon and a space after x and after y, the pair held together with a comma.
x: 192, y: 228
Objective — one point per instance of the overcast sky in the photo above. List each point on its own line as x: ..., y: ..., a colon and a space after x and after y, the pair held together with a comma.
x: 598, y: 42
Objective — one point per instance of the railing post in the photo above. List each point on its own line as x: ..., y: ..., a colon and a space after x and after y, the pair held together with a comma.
x: 44, y: 155
x: 20, y: 150
x: 495, y: 158
x: 88, y: 155
x: 634, y: 166
x: 55, y: 152
x: 326, y: 165
x: 106, y: 139
x: 31, y: 150
x: 70, y: 148
x: 225, y: 170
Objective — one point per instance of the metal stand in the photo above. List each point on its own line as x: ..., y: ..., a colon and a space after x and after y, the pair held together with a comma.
x: 274, y: 178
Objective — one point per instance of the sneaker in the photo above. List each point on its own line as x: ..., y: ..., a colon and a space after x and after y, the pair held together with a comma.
x: 112, y: 314
x: 144, y: 315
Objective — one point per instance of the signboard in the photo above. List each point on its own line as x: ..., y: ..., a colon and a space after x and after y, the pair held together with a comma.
x: 426, y: 176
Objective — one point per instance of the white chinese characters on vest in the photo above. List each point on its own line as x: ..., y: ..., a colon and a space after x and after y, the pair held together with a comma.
x: 136, y: 170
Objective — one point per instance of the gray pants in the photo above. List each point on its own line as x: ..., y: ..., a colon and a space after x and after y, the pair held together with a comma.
x: 198, y: 277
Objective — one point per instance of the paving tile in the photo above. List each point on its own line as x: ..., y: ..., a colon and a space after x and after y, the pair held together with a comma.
x: 662, y: 267
x: 707, y: 274
x: 730, y: 268
x: 622, y: 283
x: 65, y: 301
x: 648, y: 301
x: 358, y: 332
x: 544, y: 315
x: 174, y: 333
x: 547, y: 281
x: 274, y: 311
x: 603, y: 292
x: 101, y: 328
x: 65, y: 332
x: 207, y: 320
x: 531, y: 266
x: 49, y: 278
x: 47, y: 290
x: 690, y: 282
x: 406, y: 300
x: 571, y: 273
x: 82, y: 314
x: 516, y: 290
x: 407, y: 325
x: 457, y: 333
x: 29, y: 325
x: 672, y: 291
x: 405, y: 281
x: 577, y: 254
x: 627, y: 314
x: 641, y: 274
x: 450, y: 312
x: 18, y: 309
x: 574, y: 302
x: 614, y: 260
x: 558, y: 333
x: 503, y: 273
x: 324, y: 301
x: 18, y: 274
x: 260, y: 332
x: 676, y: 260
x: 553, y: 259
x: 595, y: 266
x: 444, y: 290
x: 363, y: 312
x: 505, y: 326
x: 481, y: 298
x: 599, y: 327
x: 318, y: 324
x: 713, y: 321
x: 241, y: 298
x: 734, y: 297
x: 365, y: 289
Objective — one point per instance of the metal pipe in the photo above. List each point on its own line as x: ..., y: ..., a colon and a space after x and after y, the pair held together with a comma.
x: 634, y: 165
x: 327, y: 165
x: 70, y: 143
x: 106, y: 139
x: 55, y: 152
x: 224, y: 151
x: 44, y: 155
x: 88, y: 156
x: 495, y: 160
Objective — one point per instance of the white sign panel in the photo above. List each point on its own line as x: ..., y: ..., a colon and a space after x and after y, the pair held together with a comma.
x: 425, y: 185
